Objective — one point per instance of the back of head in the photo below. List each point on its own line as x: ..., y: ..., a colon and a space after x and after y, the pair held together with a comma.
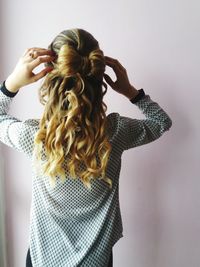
x: 74, y: 120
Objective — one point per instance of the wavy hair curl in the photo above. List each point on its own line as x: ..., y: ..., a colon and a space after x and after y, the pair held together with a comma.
x: 74, y: 123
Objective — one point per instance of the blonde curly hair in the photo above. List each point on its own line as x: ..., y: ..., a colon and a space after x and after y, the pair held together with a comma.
x: 74, y: 122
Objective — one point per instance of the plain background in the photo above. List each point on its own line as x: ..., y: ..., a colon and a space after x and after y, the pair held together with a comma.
x: 158, y: 43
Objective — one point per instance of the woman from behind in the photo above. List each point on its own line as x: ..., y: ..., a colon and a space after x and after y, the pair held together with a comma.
x: 76, y: 149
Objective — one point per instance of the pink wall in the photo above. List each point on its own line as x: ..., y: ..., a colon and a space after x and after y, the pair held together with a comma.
x: 158, y: 43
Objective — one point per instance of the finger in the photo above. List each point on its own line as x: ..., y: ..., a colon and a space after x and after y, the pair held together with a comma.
x: 117, y: 70
x: 36, y: 50
x: 36, y: 54
x: 108, y: 80
x: 39, y: 60
x: 109, y: 58
x: 113, y: 62
x: 41, y: 74
x: 42, y: 53
x: 31, y: 49
x: 115, y: 65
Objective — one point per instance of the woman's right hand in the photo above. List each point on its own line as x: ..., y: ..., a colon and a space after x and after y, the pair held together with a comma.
x: 122, y: 84
x: 23, y: 72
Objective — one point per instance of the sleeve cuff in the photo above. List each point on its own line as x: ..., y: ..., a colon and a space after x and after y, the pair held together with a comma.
x: 138, y: 97
x: 6, y: 91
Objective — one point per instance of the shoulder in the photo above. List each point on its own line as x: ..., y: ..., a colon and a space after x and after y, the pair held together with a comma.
x: 30, y: 126
x: 113, y: 123
x: 113, y: 119
x: 32, y: 122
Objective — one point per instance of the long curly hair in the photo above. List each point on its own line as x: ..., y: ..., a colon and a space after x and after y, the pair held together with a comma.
x: 74, y: 123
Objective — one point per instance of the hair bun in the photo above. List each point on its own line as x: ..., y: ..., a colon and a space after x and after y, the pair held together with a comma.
x: 70, y: 62
x: 97, y: 62
x: 86, y: 65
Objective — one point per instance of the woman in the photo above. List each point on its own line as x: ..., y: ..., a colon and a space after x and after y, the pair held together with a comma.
x: 75, y: 148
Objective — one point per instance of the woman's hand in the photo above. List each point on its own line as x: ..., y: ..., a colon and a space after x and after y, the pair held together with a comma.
x: 122, y: 84
x: 23, y: 73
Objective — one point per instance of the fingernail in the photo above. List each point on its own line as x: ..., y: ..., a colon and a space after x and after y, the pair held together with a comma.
x: 49, y: 69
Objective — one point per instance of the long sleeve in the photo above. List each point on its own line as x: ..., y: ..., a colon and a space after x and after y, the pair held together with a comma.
x: 131, y: 132
x: 14, y: 132
x: 127, y: 132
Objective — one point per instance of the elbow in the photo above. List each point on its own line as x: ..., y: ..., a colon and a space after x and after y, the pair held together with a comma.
x: 167, y: 124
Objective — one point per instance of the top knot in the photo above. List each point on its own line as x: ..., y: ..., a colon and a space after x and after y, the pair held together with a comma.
x: 70, y: 62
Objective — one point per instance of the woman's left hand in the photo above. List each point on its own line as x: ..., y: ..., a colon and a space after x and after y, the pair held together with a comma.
x: 23, y: 72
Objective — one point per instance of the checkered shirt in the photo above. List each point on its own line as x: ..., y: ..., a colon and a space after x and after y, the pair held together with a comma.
x: 70, y: 225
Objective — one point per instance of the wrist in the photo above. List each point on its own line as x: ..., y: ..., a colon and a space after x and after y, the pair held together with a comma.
x: 6, y: 92
x: 138, y: 97
x: 132, y: 92
x: 11, y: 85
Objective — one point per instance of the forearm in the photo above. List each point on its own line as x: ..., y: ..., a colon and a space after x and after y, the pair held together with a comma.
x: 131, y: 92
x: 7, y: 92
x: 136, y: 132
x: 156, y: 116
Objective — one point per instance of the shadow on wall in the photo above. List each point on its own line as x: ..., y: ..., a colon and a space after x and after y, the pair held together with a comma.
x: 2, y: 215
x: 161, y: 162
x: 2, y: 42
x: 2, y: 198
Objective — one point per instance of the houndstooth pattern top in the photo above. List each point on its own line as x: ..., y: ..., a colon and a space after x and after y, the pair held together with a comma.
x: 70, y: 225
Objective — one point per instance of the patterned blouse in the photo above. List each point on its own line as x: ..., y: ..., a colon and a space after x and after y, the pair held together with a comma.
x: 70, y: 225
